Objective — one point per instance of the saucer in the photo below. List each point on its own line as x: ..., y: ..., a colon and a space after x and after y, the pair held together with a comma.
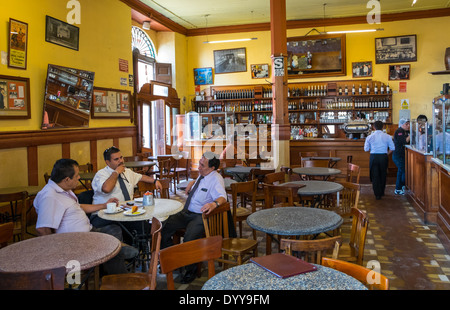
x: 118, y: 210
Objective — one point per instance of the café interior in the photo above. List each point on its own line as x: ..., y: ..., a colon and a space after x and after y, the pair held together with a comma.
x: 152, y: 77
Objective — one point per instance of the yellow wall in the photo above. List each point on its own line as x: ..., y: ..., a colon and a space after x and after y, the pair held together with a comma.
x: 105, y: 37
x: 432, y: 40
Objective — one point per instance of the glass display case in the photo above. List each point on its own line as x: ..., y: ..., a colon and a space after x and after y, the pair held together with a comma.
x: 441, y: 129
x: 207, y: 125
x: 421, y: 136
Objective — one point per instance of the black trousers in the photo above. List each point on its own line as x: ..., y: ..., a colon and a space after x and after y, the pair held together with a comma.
x: 378, y: 171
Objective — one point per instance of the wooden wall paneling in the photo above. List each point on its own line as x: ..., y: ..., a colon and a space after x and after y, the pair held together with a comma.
x: 93, y: 150
x: 443, y: 219
x: 32, y: 163
x: 65, y: 150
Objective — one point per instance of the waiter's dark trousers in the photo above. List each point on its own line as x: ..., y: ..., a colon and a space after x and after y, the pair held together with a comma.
x: 378, y: 171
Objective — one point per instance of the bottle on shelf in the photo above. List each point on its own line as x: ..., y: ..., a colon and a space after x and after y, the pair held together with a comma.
x: 382, y: 88
x: 375, y: 90
x: 360, y: 89
x: 368, y: 89
x: 387, y: 89
x: 346, y: 90
x: 353, y: 89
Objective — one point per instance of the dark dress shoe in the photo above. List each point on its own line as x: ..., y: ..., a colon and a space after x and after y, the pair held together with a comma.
x: 378, y: 197
x: 188, y: 278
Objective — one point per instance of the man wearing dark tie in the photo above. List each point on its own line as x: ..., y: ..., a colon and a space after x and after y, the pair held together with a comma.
x: 205, y: 194
x: 115, y: 180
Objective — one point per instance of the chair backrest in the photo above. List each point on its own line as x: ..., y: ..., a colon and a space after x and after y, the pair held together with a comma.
x: 52, y: 279
x: 276, y: 177
x: 348, y: 198
x: 18, y: 203
x: 253, y: 162
x: 358, y: 233
x: 353, y: 173
x: 6, y: 233
x: 216, y: 222
x: 259, y: 174
x: 316, y: 163
x: 241, y: 188
x: 167, y: 167
x: 312, y: 251
x: 143, y: 187
x: 290, y: 175
x: 279, y: 196
x: 155, y: 232
x: 360, y: 273
x: 86, y: 168
x: 190, y: 252
x: 86, y: 197
x: 132, y: 158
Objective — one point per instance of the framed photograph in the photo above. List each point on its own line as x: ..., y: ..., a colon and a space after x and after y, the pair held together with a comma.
x: 111, y: 103
x: 17, y: 44
x: 362, y: 69
x: 396, y: 49
x: 14, y: 97
x: 231, y: 60
x: 61, y: 33
x: 260, y: 71
x: 203, y: 76
x: 399, y: 72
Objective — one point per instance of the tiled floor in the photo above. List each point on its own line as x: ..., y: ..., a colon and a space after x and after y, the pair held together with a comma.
x: 408, y: 251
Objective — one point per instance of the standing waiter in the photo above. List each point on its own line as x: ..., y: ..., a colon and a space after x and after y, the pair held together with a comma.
x: 378, y: 144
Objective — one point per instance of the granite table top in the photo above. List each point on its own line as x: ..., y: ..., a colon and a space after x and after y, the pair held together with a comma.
x: 317, y: 171
x: 294, y: 221
x: 51, y: 251
x: 252, y: 277
x: 316, y: 187
x: 139, y: 164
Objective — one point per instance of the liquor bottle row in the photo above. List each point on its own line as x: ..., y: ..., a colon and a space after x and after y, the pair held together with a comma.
x: 315, y: 90
x: 381, y: 90
x: 233, y: 94
x: 306, y: 105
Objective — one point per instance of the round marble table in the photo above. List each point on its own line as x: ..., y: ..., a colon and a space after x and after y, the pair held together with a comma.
x: 89, y: 249
x: 241, y: 173
x: 252, y: 277
x: 138, y: 164
x: 162, y: 209
x: 318, y: 189
x: 316, y: 171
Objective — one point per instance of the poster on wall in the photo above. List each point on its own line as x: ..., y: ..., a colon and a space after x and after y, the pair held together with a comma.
x: 14, y: 97
x: 17, y: 44
x: 111, y: 103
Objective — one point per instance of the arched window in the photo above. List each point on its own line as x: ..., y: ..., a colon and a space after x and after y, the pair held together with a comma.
x: 142, y: 42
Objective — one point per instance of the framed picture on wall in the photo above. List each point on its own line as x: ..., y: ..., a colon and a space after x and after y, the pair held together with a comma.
x: 260, y: 71
x: 399, y: 72
x: 230, y: 60
x: 203, y: 76
x: 17, y: 44
x: 396, y: 49
x: 61, y: 33
x: 14, y: 97
x: 362, y: 69
x: 111, y: 103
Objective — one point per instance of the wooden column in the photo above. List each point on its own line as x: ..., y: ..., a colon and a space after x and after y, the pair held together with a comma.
x: 280, y: 127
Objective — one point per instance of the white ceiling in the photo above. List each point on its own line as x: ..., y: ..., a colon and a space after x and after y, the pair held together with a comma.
x: 191, y: 14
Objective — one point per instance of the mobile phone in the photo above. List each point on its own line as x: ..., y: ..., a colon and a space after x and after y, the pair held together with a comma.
x: 130, y: 203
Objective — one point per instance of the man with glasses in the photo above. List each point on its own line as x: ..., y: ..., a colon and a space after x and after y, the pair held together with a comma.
x: 115, y: 180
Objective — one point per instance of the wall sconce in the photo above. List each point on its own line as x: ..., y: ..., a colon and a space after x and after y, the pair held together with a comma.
x: 146, y: 25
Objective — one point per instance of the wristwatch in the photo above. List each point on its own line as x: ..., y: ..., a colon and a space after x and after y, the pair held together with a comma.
x: 217, y: 204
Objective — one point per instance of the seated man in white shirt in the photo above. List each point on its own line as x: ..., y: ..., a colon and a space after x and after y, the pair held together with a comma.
x: 106, y: 184
x: 59, y: 211
x: 207, y: 193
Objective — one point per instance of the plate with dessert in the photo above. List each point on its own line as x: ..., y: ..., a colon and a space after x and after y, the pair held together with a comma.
x: 134, y: 211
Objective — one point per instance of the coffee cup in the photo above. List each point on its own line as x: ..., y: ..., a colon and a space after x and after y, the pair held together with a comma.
x: 111, y: 207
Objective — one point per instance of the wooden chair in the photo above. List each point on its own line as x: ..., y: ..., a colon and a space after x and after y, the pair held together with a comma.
x: 316, y: 163
x: 138, y: 281
x: 226, y: 163
x: 18, y: 204
x: 132, y: 158
x: 276, y: 177
x: 255, y: 162
x: 183, y: 166
x: 6, y: 233
x: 348, y: 199
x: 241, y: 249
x: 86, y: 168
x: 307, y: 154
x: 354, y: 250
x: 353, y: 173
x: 259, y: 174
x: 312, y: 251
x: 290, y: 175
x: 143, y: 187
x: 244, y: 190
x: 279, y: 196
x: 52, y: 279
x: 191, y: 252
x: 167, y: 168
x: 358, y: 272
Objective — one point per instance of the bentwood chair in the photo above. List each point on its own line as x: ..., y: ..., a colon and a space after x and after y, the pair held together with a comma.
x: 348, y: 199
x: 247, y: 192
x: 18, y: 203
x: 138, y: 281
x: 354, y: 250
x: 259, y: 174
x: 240, y: 249
x: 52, y: 279
x: 312, y: 251
x: 183, y: 166
x: 275, y: 178
x: 187, y: 253
x: 360, y: 273
x: 167, y: 170
x: 143, y: 187
x: 6, y: 233
x: 279, y: 196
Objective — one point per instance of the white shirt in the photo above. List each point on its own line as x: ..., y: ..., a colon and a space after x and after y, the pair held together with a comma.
x: 131, y: 180
x: 378, y: 143
x: 210, y: 188
x: 60, y: 210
